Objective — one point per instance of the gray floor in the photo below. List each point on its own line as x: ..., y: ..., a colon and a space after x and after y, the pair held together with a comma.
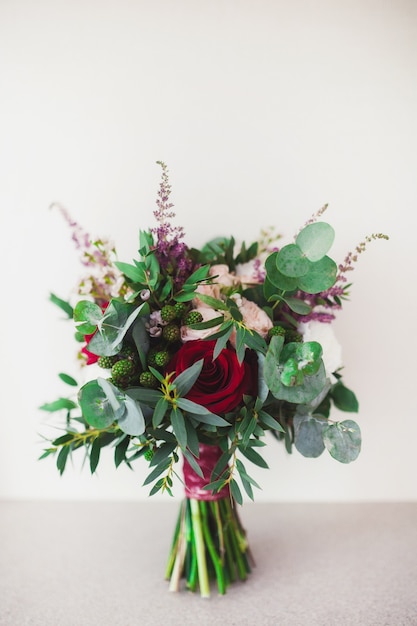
x: 102, y: 564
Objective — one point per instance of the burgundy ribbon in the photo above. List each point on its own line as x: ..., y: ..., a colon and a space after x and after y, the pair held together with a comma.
x: 209, y: 455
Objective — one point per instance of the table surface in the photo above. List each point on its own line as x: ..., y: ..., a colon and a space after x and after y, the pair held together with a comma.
x: 102, y: 564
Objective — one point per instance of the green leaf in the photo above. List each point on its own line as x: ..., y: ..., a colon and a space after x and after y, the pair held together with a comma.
x: 120, y: 450
x: 343, y: 441
x: 199, y: 275
x: 63, y: 439
x: 216, y: 321
x: 275, y: 278
x: 270, y: 422
x: 62, y: 304
x: 254, y: 457
x: 291, y: 262
x: 95, y: 406
x: 157, y: 471
x: 315, y: 240
x: 235, y: 491
x: 220, y: 466
x: 344, y: 399
x: 163, y: 452
x: 303, y: 393
x: 178, y: 426
x: 271, y: 363
x: 62, y: 459
x: 95, y: 454
x: 115, y: 323
x: 141, y: 338
x: 184, y: 381
x: 132, y: 421
x: 213, y: 303
x: 190, y: 458
x: 192, y: 438
x: 68, y: 380
x: 136, y: 273
x: 159, y: 411
x: 320, y: 277
x: 58, y: 405
x: 87, y: 311
x: 201, y: 414
x: 222, y: 339
x: 308, y: 435
x: 298, y: 306
x: 147, y: 396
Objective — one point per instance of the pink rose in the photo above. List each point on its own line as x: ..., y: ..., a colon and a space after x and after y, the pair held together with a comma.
x: 254, y: 317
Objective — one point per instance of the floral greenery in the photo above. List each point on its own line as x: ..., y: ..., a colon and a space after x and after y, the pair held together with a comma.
x: 207, y: 346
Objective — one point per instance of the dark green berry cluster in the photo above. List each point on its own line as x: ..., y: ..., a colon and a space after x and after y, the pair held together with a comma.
x: 124, y: 366
x: 288, y: 334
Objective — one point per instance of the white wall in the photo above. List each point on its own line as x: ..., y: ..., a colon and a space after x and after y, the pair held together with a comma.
x: 263, y: 110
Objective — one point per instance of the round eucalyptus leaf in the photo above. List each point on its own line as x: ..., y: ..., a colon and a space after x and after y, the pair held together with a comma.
x: 291, y: 262
x: 96, y: 408
x: 343, y: 440
x: 309, y: 351
x: 291, y: 375
x: 321, y: 276
x: 315, y: 240
x: 276, y: 278
x: 87, y: 311
x: 308, y: 435
x: 303, y: 393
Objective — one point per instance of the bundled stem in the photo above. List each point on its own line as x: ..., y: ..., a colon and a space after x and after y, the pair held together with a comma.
x: 209, y: 543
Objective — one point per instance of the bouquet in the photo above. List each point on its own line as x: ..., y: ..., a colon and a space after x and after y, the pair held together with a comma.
x: 203, y: 354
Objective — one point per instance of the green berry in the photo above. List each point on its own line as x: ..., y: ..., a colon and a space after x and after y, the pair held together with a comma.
x: 292, y: 335
x: 168, y: 313
x: 171, y: 333
x: 128, y: 352
x: 148, y: 454
x: 106, y: 362
x: 150, y: 357
x: 180, y: 309
x: 276, y: 330
x: 122, y: 369
x: 161, y: 358
x: 193, y: 317
x: 147, y: 379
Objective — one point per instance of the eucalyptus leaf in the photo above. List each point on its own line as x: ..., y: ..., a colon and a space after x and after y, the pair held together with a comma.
x: 96, y: 408
x: 320, y: 277
x: 275, y: 278
x: 343, y: 440
x: 308, y: 435
x: 132, y: 421
x: 291, y: 262
x: 315, y: 240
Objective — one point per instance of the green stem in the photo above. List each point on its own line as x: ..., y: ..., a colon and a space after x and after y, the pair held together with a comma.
x: 174, y: 545
x: 200, y: 549
x: 233, y: 531
x: 212, y: 550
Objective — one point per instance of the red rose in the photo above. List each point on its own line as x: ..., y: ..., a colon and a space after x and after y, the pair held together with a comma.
x: 222, y: 382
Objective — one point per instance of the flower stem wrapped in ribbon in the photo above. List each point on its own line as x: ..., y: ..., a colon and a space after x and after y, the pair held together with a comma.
x: 204, y: 353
